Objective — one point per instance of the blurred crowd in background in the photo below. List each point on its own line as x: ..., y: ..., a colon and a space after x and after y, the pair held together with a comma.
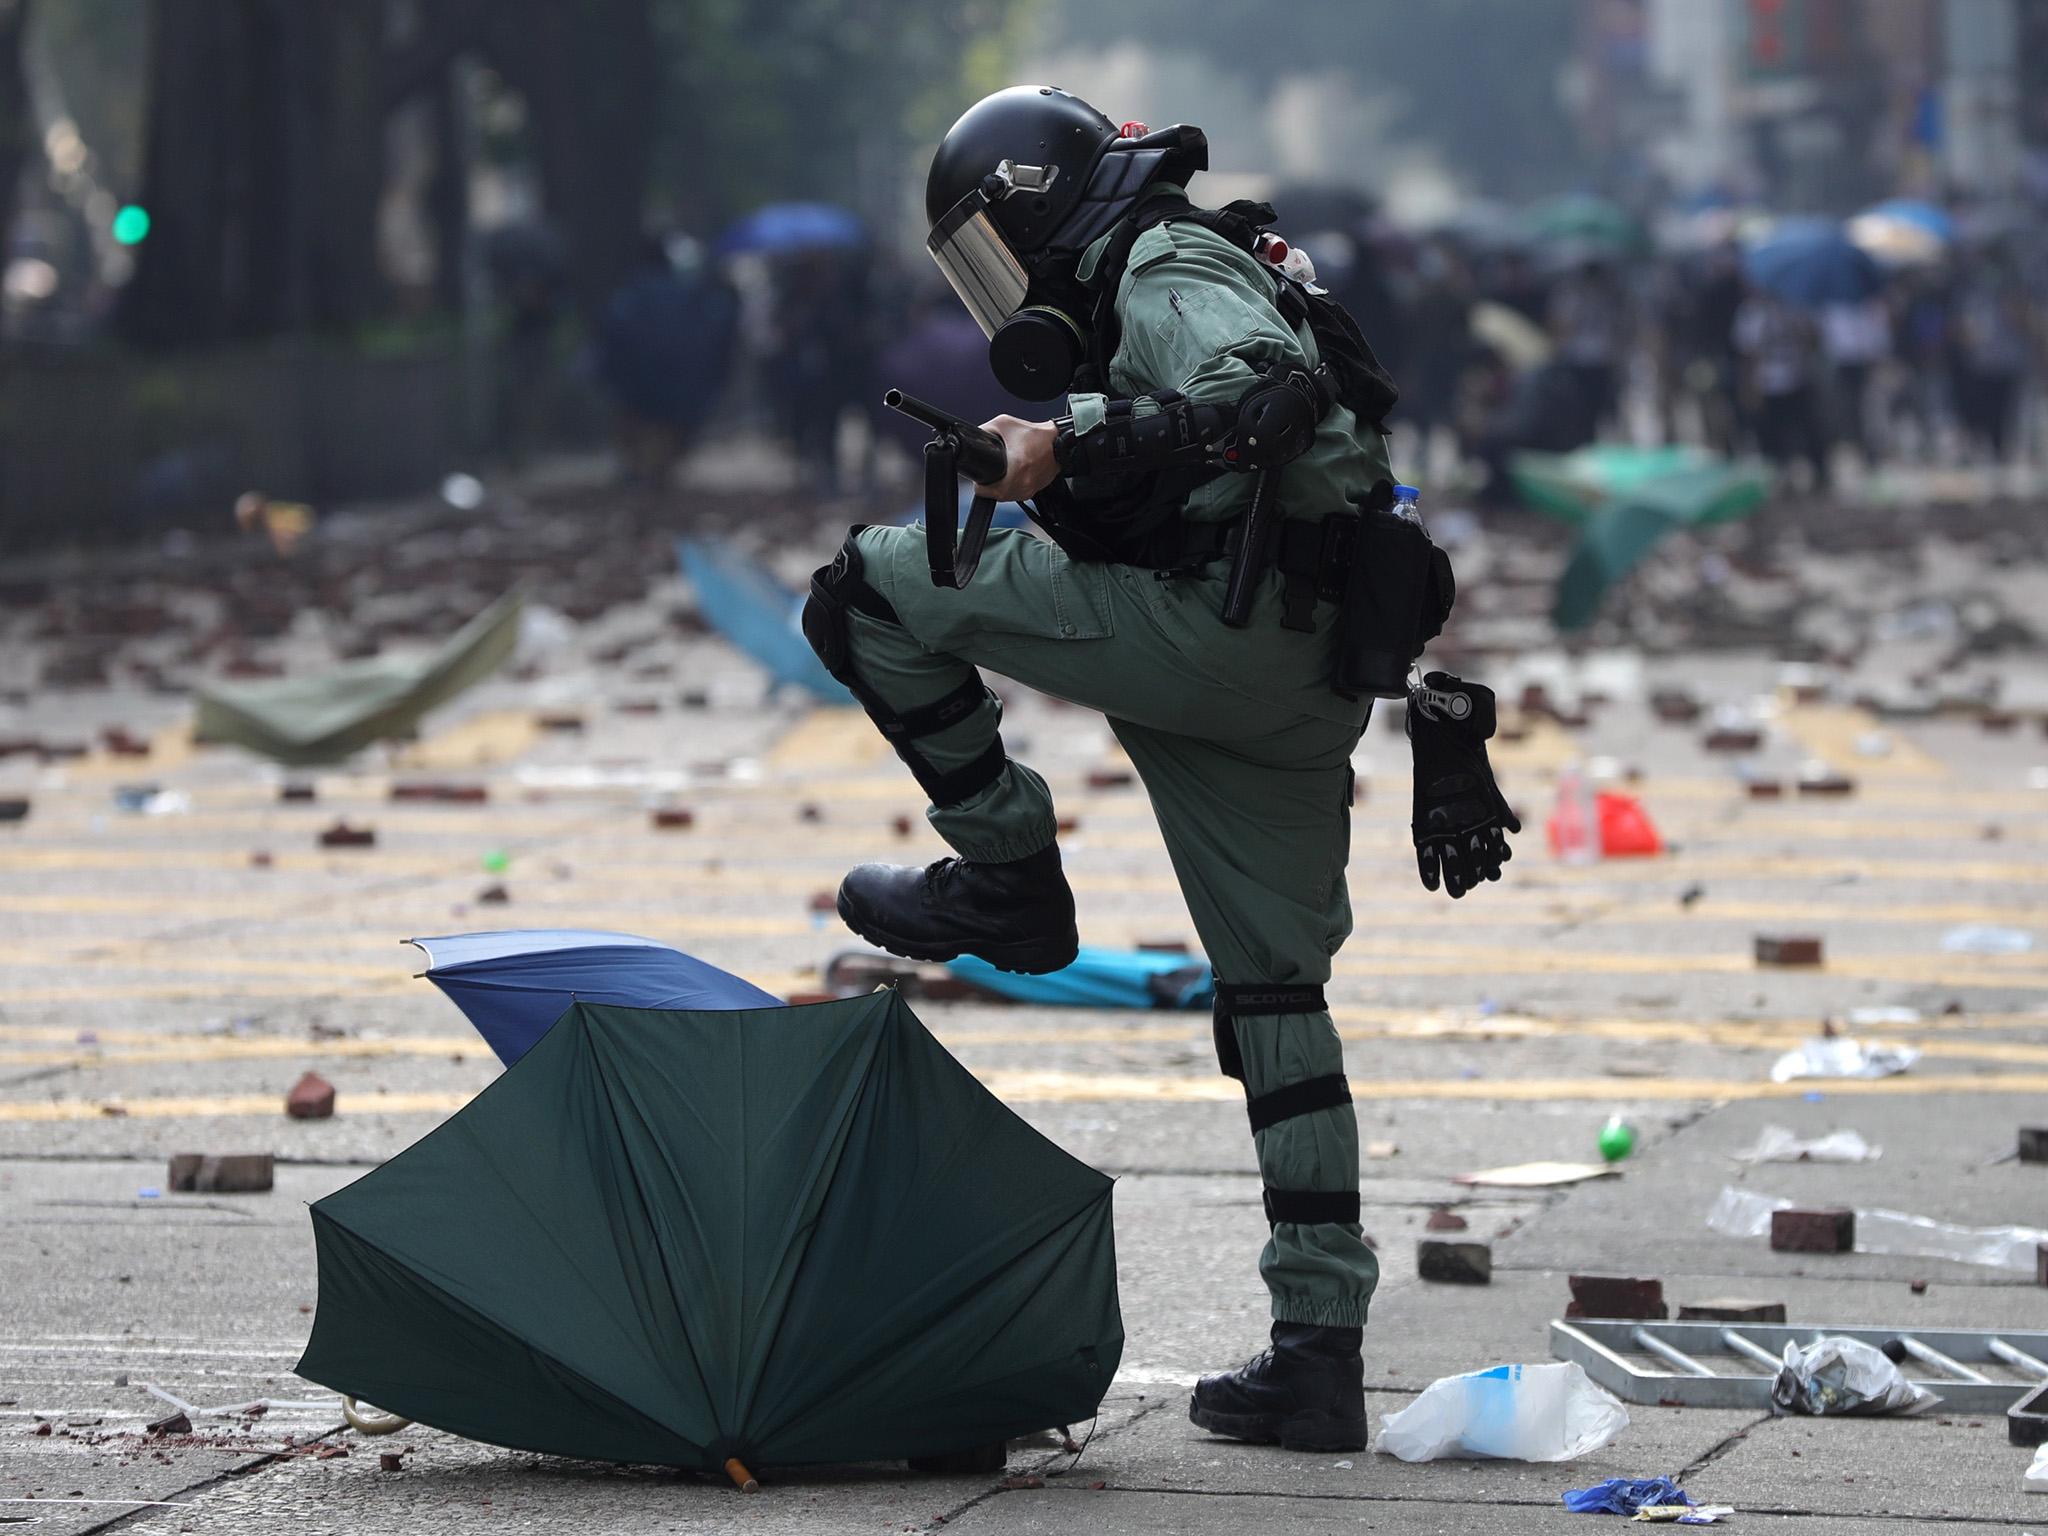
x: 1807, y: 230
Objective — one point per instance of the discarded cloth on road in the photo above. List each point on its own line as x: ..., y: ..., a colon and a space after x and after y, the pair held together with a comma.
x: 302, y: 721
x: 1624, y: 501
x: 1837, y: 1375
x: 745, y: 603
x: 1548, y: 1412
x: 1843, y: 1057
x: 779, y: 1235
x: 2036, y: 1479
x: 513, y: 985
x: 1986, y: 939
x: 1745, y: 1213
x: 1623, y: 1495
x: 1776, y: 1144
x: 1102, y: 978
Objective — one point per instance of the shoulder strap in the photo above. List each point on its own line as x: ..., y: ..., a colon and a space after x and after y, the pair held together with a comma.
x: 1239, y: 222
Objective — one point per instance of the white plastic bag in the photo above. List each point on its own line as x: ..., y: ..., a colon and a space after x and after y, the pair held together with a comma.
x: 2036, y: 1480
x: 1779, y: 1145
x: 1837, y: 1375
x: 1841, y: 1056
x: 1549, y: 1412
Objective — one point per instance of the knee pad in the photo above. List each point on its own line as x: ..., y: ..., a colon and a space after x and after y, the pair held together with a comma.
x: 835, y: 589
x: 1300, y: 1207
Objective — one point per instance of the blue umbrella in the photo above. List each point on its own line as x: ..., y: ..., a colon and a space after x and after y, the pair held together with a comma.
x: 780, y: 228
x: 753, y: 610
x: 1102, y: 978
x: 513, y: 986
x: 1812, y: 262
x: 1911, y: 210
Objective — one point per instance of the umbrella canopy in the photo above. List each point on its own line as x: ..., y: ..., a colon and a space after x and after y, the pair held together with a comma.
x: 753, y: 610
x: 1904, y: 232
x: 1812, y: 262
x: 778, y: 229
x: 513, y: 985
x: 798, y: 1235
x: 1625, y: 501
x: 1520, y: 341
x: 1588, y: 225
x: 1102, y: 978
x: 301, y: 721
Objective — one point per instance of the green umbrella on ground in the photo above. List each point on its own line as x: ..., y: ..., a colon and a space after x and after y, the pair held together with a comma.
x: 771, y: 1235
x: 1624, y: 501
x: 300, y: 721
x: 1585, y: 224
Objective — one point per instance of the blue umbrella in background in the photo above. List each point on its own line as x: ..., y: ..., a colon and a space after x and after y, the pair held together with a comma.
x: 1812, y: 262
x: 777, y: 229
x: 1904, y: 232
x: 747, y: 605
x: 513, y: 986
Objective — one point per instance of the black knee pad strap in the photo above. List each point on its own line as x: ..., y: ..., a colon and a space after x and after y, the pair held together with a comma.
x: 1302, y: 1098
x: 842, y: 586
x: 1249, y: 1000
x: 1311, y: 1207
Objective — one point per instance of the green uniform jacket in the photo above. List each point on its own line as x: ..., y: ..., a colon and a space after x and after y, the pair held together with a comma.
x: 1197, y: 312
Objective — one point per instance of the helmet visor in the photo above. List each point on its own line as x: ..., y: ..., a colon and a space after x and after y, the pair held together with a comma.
x: 979, y: 266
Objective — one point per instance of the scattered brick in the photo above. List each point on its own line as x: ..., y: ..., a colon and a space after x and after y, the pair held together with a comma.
x: 805, y: 999
x: 1110, y: 778
x: 1998, y: 721
x: 1164, y: 946
x: 261, y: 858
x: 1826, y: 785
x: 311, y: 1098
x: 901, y: 826
x: 674, y: 818
x: 119, y: 742
x: 807, y: 812
x: 1766, y: 789
x: 1732, y: 1310
x: 1675, y: 708
x: 1450, y: 1263
x: 638, y: 706
x: 1822, y: 1231
x: 1787, y: 949
x: 245, y: 1173
x: 14, y: 809
x: 330, y: 1452
x: 42, y: 1428
x: 1917, y: 1287
x: 1617, y: 1297
x: 2034, y: 1144
x: 493, y: 896
x: 1066, y: 824
x: 824, y: 901
x: 342, y: 835
x: 1732, y: 739
x: 558, y: 722
x: 390, y: 1461
x: 296, y: 790
x: 1441, y: 1220
x: 440, y: 792
x: 2041, y: 1264
x: 696, y: 698
x: 172, y: 1424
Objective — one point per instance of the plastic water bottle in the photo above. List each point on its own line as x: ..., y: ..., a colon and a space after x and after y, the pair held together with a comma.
x: 1408, y: 504
x: 1574, y: 831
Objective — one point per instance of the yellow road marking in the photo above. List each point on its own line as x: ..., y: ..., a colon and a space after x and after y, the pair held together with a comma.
x: 495, y: 736
x: 1830, y: 732
x: 1047, y: 1087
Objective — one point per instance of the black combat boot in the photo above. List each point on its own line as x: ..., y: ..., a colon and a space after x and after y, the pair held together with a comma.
x: 1018, y: 916
x: 1307, y: 1392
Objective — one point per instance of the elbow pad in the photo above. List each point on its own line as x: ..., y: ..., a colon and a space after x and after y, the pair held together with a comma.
x: 1272, y: 422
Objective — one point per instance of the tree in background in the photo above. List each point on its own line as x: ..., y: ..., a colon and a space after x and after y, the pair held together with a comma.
x: 16, y: 130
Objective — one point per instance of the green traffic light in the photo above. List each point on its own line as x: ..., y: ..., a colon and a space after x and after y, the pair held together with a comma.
x: 131, y: 224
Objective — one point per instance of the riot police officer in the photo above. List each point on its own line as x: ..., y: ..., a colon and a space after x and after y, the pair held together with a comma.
x: 1227, y: 582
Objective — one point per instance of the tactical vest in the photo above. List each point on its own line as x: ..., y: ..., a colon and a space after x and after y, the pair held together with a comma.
x: 1120, y: 518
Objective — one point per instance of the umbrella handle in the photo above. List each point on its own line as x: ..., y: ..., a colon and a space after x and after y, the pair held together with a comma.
x: 375, y: 1422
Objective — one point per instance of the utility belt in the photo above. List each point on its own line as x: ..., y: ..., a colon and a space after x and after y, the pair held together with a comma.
x: 1393, y: 586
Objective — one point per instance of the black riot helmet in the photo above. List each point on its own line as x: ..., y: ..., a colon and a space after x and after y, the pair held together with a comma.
x: 1020, y: 186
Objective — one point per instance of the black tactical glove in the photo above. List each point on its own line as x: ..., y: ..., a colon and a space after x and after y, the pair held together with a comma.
x: 1461, y: 822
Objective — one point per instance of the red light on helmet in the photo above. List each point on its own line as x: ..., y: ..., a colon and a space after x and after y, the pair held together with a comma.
x: 1132, y: 130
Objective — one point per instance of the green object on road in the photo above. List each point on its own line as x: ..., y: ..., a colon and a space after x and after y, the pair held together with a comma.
x: 497, y: 861
x: 323, y: 719
x: 784, y: 1235
x: 1624, y: 501
x: 1617, y: 1139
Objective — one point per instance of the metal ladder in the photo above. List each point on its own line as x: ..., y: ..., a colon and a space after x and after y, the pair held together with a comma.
x: 2018, y: 1359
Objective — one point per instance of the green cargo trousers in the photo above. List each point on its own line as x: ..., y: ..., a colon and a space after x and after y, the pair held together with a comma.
x: 1246, y: 754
